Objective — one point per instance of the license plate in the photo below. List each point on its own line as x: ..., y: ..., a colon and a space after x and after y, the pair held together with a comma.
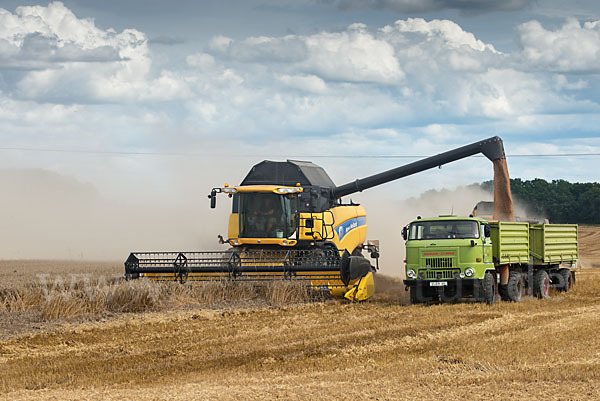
x: 438, y: 283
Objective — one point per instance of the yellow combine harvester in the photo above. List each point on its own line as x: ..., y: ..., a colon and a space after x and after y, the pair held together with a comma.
x: 288, y: 221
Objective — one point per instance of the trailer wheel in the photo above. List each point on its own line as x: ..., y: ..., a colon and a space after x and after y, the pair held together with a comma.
x: 489, y: 288
x: 515, y: 287
x: 565, y: 280
x: 541, y: 284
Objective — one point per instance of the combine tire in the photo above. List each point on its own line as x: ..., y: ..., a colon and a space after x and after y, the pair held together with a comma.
x: 565, y: 280
x: 488, y: 288
x: 541, y: 284
x: 515, y: 287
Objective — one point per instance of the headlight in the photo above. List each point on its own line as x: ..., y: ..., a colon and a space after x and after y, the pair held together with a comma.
x: 469, y: 272
x: 289, y: 190
x: 411, y: 274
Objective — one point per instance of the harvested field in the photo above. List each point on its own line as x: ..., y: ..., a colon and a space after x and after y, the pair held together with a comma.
x: 589, y: 246
x: 291, y: 349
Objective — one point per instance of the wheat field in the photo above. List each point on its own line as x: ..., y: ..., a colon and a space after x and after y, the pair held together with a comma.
x: 232, y: 343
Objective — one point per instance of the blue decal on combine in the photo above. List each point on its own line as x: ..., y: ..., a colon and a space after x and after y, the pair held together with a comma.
x: 350, y: 225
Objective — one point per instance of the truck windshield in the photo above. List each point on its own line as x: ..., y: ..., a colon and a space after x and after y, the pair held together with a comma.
x: 443, y: 229
x: 267, y: 215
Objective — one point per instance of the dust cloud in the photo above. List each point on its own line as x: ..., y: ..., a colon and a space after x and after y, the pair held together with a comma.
x: 46, y: 215
x: 386, y: 218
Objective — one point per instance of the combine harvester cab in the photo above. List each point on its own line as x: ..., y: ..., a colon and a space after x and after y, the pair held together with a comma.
x: 450, y: 257
x: 288, y: 221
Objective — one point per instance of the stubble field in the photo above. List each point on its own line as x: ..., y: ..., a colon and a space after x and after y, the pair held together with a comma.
x: 134, y: 341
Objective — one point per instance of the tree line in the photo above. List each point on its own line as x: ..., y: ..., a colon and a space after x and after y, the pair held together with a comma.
x: 559, y: 201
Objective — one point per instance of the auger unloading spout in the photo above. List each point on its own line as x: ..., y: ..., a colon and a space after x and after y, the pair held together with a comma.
x: 492, y: 148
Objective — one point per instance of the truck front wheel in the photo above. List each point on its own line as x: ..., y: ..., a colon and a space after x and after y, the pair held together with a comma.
x: 489, y: 288
x: 515, y: 286
x: 541, y: 284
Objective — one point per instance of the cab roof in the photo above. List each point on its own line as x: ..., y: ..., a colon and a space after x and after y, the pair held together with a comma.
x: 447, y: 217
x: 288, y: 173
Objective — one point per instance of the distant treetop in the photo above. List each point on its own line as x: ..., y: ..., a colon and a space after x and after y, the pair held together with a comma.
x: 559, y: 200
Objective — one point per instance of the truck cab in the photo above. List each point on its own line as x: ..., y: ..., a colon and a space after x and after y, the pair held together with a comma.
x: 448, y: 257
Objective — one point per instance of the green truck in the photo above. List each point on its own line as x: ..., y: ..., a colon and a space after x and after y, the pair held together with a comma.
x: 449, y: 258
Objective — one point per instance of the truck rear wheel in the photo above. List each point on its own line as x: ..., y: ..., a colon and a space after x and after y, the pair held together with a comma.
x: 515, y: 287
x: 565, y: 280
x: 489, y: 288
x: 541, y: 284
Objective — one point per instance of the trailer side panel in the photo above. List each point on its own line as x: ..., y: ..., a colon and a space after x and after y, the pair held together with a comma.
x: 553, y: 243
x: 510, y: 242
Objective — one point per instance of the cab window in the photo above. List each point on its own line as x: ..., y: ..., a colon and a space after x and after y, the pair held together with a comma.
x: 444, y: 229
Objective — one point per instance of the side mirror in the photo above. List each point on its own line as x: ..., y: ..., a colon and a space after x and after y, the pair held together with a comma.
x: 487, y: 231
x: 213, y: 199
x: 405, y: 233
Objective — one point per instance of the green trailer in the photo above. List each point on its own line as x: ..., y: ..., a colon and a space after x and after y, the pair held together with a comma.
x: 510, y: 242
x: 451, y: 257
x: 551, y: 244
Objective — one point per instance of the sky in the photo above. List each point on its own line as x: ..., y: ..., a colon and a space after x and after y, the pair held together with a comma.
x: 149, y: 101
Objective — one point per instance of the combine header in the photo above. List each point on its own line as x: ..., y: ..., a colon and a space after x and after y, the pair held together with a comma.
x: 288, y: 221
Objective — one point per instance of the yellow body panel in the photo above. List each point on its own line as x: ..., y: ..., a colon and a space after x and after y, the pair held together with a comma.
x: 325, y: 228
x: 326, y: 280
x: 363, y: 289
x: 233, y: 229
x: 344, y: 225
x: 352, y: 236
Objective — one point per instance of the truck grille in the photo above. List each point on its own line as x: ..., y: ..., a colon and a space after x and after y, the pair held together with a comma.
x: 439, y: 274
x: 438, y: 263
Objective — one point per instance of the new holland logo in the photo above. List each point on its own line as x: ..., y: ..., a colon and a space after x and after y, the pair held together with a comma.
x: 350, y: 225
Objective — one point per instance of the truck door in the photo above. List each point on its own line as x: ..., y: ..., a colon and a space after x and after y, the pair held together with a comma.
x: 486, y: 236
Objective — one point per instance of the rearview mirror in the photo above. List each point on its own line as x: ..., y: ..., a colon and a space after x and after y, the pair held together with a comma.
x: 213, y: 199
x: 405, y: 233
x: 486, y: 231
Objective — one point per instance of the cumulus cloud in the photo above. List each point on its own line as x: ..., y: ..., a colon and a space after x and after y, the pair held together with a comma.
x: 55, y: 34
x: 449, y: 33
x: 309, y: 83
x: 413, y: 86
x: 570, y: 48
x: 408, y: 73
x: 353, y: 55
x: 66, y: 58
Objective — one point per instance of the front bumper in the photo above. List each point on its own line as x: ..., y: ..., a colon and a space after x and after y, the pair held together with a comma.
x: 444, y: 290
x: 451, y: 282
